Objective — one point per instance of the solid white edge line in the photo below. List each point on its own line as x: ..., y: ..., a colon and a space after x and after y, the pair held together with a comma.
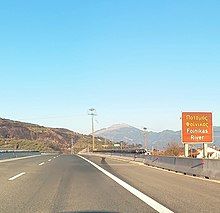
x: 40, y: 164
x: 160, y: 169
x: 16, y: 176
x: 149, y: 201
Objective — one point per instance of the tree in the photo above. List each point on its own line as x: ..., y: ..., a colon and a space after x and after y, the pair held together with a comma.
x: 173, y: 149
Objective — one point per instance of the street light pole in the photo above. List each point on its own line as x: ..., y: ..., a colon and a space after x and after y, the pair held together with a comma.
x: 71, y: 146
x: 92, y: 113
x: 93, y: 138
x: 145, y: 137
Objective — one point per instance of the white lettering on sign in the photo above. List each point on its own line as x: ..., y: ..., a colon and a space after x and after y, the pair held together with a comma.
x: 197, y: 127
x: 200, y: 131
x: 193, y: 124
x: 197, y: 138
x: 197, y: 118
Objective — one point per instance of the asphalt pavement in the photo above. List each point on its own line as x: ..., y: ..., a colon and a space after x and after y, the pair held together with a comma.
x: 62, y: 183
x: 178, y: 192
x: 68, y: 183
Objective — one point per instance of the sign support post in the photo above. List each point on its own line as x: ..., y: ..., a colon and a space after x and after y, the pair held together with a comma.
x: 205, y: 146
x: 186, y: 150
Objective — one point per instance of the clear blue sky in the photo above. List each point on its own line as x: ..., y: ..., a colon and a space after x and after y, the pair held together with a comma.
x: 136, y: 62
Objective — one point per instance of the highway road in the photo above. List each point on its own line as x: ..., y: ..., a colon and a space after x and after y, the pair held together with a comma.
x: 68, y: 183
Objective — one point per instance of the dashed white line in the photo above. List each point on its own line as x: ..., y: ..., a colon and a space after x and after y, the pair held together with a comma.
x: 40, y: 164
x: 49, y: 160
x: 148, y: 200
x: 17, y: 176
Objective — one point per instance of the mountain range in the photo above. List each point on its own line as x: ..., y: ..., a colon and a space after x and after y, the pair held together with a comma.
x: 160, y: 140
x: 21, y: 135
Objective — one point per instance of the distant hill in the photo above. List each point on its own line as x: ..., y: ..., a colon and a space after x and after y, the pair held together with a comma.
x: 130, y: 134
x: 15, y: 134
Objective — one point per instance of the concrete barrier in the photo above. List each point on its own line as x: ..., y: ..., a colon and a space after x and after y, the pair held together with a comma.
x: 7, y: 154
x: 207, y: 168
x: 165, y: 163
x: 211, y: 168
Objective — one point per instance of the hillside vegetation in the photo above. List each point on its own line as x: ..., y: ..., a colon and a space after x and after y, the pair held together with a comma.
x: 20, y: 135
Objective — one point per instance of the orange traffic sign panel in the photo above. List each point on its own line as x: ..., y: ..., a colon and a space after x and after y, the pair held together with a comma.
x: 197, y: 127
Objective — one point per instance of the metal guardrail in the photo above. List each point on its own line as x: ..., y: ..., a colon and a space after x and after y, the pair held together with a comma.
x: 7, y: 154
x: 207, y: 168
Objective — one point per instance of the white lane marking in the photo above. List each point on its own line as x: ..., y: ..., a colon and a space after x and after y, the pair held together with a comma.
x: 158, y: 168
x: 17, y: 176
x: 40, y: 164
x: 149, y: 201
x: 13, y: 159
x: 49, y: 160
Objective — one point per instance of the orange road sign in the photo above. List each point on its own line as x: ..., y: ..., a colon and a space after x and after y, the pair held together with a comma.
x: 197, y: 127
